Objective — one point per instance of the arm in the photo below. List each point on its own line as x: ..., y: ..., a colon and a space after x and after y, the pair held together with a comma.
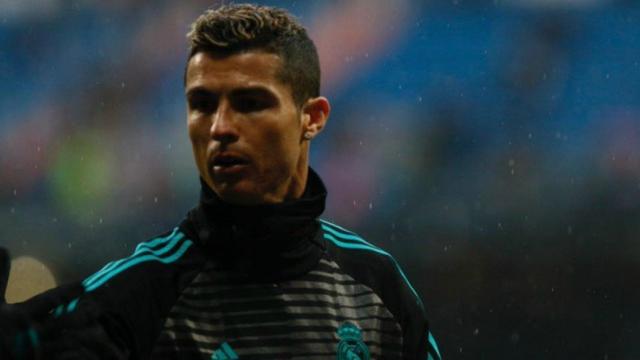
x: 419, y: 342
x: 427, y: 347
x: 30, y: 330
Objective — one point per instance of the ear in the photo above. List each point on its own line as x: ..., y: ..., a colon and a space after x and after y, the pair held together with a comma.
x: 315, y: 114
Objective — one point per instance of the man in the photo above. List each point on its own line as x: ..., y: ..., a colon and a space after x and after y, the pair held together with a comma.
x: 252, y: 273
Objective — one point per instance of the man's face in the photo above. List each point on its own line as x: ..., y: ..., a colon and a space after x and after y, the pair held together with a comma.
x: 245, y: 128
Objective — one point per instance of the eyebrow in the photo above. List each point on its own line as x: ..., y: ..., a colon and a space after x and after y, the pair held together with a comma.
x: 253, y: 91
x: 197, y: 91
x: 245, y: 91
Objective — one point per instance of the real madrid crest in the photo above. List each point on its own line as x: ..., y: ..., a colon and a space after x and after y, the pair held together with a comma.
x: 351, y: 346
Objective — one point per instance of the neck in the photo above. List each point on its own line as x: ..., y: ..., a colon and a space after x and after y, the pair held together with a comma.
x: 307, y: 206
x: 266, y: 237
x: 298, y: 181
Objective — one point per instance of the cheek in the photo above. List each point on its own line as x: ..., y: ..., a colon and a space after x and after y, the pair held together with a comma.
x: 198, y: 131
x: 283, y: 148
x: 199, y: 140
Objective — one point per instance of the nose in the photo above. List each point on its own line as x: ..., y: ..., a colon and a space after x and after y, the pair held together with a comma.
x: 223, y: 124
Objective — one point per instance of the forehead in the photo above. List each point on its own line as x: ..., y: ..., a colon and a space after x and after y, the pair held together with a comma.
x: 245, y: 69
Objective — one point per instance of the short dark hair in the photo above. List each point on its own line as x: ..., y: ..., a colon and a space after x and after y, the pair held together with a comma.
x: 236, y: 28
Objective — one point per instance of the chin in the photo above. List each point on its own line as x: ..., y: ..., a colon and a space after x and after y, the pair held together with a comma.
x: 237, y: 196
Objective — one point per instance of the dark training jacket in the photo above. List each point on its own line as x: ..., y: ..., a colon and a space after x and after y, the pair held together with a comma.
x: 259, y: 282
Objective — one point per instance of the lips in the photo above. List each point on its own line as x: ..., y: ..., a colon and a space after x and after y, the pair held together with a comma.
x: 228, y: 163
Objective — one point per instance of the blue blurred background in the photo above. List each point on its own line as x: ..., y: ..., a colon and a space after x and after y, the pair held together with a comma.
x: 492, y: 146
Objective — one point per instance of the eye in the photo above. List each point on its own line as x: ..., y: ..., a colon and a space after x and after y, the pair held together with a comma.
x: 247, y: 104
x: 204, y: 103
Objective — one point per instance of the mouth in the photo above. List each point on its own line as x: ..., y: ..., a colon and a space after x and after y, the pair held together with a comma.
x: 226, y: 164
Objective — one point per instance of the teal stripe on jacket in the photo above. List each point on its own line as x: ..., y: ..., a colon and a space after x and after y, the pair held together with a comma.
x: 143, y: 253
x: 352, y: 241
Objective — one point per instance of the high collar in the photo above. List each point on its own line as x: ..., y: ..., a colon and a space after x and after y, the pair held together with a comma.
x: 262, y: 242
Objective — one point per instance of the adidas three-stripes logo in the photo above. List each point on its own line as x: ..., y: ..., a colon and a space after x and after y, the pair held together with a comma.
x: 165, y: 249
x: 225, y: 352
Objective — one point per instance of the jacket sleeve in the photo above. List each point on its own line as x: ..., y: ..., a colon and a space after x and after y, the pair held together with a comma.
x: 35, y: 330
x: 30, y: 330
x: 427, y: 348
x: 132, y: 297
x: 118, y: 312
x: 419, y: 342
x: 433, y: 350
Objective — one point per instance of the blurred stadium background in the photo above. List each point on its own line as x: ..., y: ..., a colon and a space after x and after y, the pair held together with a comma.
x: 492, y: 146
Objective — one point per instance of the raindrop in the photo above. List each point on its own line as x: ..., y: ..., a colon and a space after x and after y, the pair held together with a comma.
x: 370, y: 206
x: 476, y: 332
x: 155, y: 199
x: 419, y: 99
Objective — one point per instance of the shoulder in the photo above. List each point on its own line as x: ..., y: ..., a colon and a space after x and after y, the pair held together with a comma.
x: 160, y: 253
x: 371, y: 265
x: 132, y: 296
x: 378, y: 269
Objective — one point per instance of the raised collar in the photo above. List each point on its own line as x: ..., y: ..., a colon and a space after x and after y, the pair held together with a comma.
x: 263, y: 242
